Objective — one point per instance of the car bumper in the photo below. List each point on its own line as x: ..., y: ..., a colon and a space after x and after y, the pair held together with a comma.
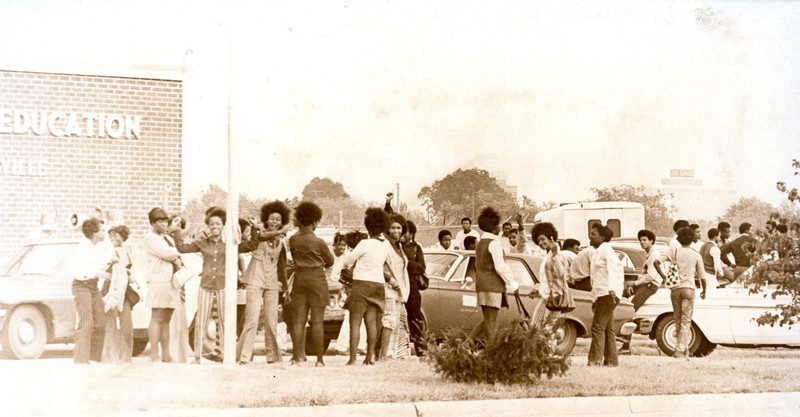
x: 643, y: 326
x: 628, y: 328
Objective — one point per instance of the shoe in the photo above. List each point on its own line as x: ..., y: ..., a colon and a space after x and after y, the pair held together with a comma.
x: 624, y: 352
x: 213, y: 357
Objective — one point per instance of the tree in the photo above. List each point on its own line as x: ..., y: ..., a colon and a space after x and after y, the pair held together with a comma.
x: 750, y: 210
x: 323, y: 188
x: 777, y: 262
x: 529, y: 208
x: 464, y: 193
x: 657, y: 216
x: 195, y: 210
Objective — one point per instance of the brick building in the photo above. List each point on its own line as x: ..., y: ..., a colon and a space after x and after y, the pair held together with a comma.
x: 70, y: 142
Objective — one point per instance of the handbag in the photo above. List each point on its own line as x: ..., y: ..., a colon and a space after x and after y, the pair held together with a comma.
x: 424, y: 282
x: 560, y: 302
x: 673, y: 275
x: 346, y: 276
x: 181, y: 277
x: 132, y: 296
x: 525, y: 321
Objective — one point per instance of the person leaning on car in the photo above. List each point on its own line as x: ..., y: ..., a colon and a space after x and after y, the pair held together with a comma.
x: 647, y: 284
x: 607, y: 285
x: 87, y: 266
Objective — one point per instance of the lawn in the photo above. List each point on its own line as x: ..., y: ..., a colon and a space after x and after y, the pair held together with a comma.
x: 48, y: 386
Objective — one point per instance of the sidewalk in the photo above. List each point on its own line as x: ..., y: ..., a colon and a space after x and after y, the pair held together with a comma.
x: 701, y: 405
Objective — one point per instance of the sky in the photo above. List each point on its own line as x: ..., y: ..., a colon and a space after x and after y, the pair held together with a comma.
x: 560, y: 96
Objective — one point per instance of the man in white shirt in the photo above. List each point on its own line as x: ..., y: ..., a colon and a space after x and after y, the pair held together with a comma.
x: 518, y: 244
x: 580, y: 270
x: 466, y: 230
x: 607, y: 284
x: 87, y: 267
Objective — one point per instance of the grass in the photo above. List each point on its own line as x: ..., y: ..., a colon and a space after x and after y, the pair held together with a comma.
x: 49, y: 386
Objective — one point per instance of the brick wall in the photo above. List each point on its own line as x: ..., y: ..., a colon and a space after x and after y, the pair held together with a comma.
x: 83, y: 171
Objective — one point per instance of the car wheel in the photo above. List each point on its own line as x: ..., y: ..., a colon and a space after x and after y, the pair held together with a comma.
x: 138, y: 346
x: 705, y: 348
x: 566, y: 336
x: 209, y: 345
x: 667, y: 339
x: 24, y: 333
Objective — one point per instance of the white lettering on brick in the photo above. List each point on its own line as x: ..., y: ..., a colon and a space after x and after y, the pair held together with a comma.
x: 5, y: 117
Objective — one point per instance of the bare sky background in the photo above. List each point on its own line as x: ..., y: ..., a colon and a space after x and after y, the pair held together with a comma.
x: 562, y: 97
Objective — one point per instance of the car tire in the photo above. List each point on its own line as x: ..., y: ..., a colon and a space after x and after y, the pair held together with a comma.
x: 704, y: 349
x: 567, y: 336
x: 208, y: 344
x: 138, y: 346
x: 666, y: 339
x: 24, y: 333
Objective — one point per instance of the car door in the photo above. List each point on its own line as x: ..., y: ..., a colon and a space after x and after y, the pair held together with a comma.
x: 458, y: 302
x: 439, y: 267
x: 745, y: 308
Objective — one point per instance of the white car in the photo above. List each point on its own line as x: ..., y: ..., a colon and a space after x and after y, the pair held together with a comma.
x: 727, y: 317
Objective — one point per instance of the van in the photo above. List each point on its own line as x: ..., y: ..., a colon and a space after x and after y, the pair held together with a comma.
x: 576, y: 220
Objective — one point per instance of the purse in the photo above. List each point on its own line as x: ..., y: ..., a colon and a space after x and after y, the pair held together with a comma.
x: 560, y: 302
x: 424, y: 282
x: 525, y: 320
x: 673, y: 275
x: 181, y: 277
x: 132, y: 296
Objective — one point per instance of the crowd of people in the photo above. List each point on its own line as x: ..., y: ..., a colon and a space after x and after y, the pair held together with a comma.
x: 384, y: 271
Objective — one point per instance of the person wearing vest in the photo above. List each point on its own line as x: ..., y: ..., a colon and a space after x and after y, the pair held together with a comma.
x: 493, y: 276
x: 712, y: 261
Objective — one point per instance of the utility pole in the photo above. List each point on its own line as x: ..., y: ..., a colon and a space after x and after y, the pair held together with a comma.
x: 231, y: 244
x: 397, y: 198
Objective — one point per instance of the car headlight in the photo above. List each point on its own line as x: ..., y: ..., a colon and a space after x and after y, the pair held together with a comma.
x: 332, y: 301
x: 342, y: 298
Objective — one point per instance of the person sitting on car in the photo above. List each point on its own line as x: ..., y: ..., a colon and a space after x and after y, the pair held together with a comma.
x: 494, y: 276
x: 445, y: 239
x: 647, y: 284
x: 712, y: 260
x: 741, y: 248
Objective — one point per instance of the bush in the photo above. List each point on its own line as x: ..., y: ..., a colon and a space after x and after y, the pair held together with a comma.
x: 516, y: 355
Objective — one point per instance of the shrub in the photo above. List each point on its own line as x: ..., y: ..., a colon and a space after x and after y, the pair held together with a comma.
x: 516, y: 355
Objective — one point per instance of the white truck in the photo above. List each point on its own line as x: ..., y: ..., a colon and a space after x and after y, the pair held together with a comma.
x: 575, y: 220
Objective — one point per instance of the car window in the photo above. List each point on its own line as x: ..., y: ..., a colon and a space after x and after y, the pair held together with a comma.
x: 626, y: 260
x: 614, y: 225
x: 42, y: 259
x: 438, y: 264
x: 521, y: 273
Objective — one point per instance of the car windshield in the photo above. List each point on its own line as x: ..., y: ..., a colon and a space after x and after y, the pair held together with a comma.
x: 437, y: 264
x: 41, y: 259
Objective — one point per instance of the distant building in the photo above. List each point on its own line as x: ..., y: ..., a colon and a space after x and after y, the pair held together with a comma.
x: 500, y: 178
x: 73, y: 139
x: 691, y: 199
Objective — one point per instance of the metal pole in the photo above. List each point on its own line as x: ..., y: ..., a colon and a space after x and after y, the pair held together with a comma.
x: 397, y: 198
x: 231, y: 247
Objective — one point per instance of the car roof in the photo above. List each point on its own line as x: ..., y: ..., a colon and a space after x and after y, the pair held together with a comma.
x: 660, y: 240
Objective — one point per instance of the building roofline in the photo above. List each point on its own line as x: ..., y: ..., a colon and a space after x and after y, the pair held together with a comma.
x: 141, y: 71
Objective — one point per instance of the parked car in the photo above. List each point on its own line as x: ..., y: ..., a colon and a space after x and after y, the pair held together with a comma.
x: 725, y: 317
x: 37, y: 306
x: 451, y: 302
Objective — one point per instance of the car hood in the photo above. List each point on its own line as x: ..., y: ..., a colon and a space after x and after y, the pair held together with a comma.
x: 17, y: 288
